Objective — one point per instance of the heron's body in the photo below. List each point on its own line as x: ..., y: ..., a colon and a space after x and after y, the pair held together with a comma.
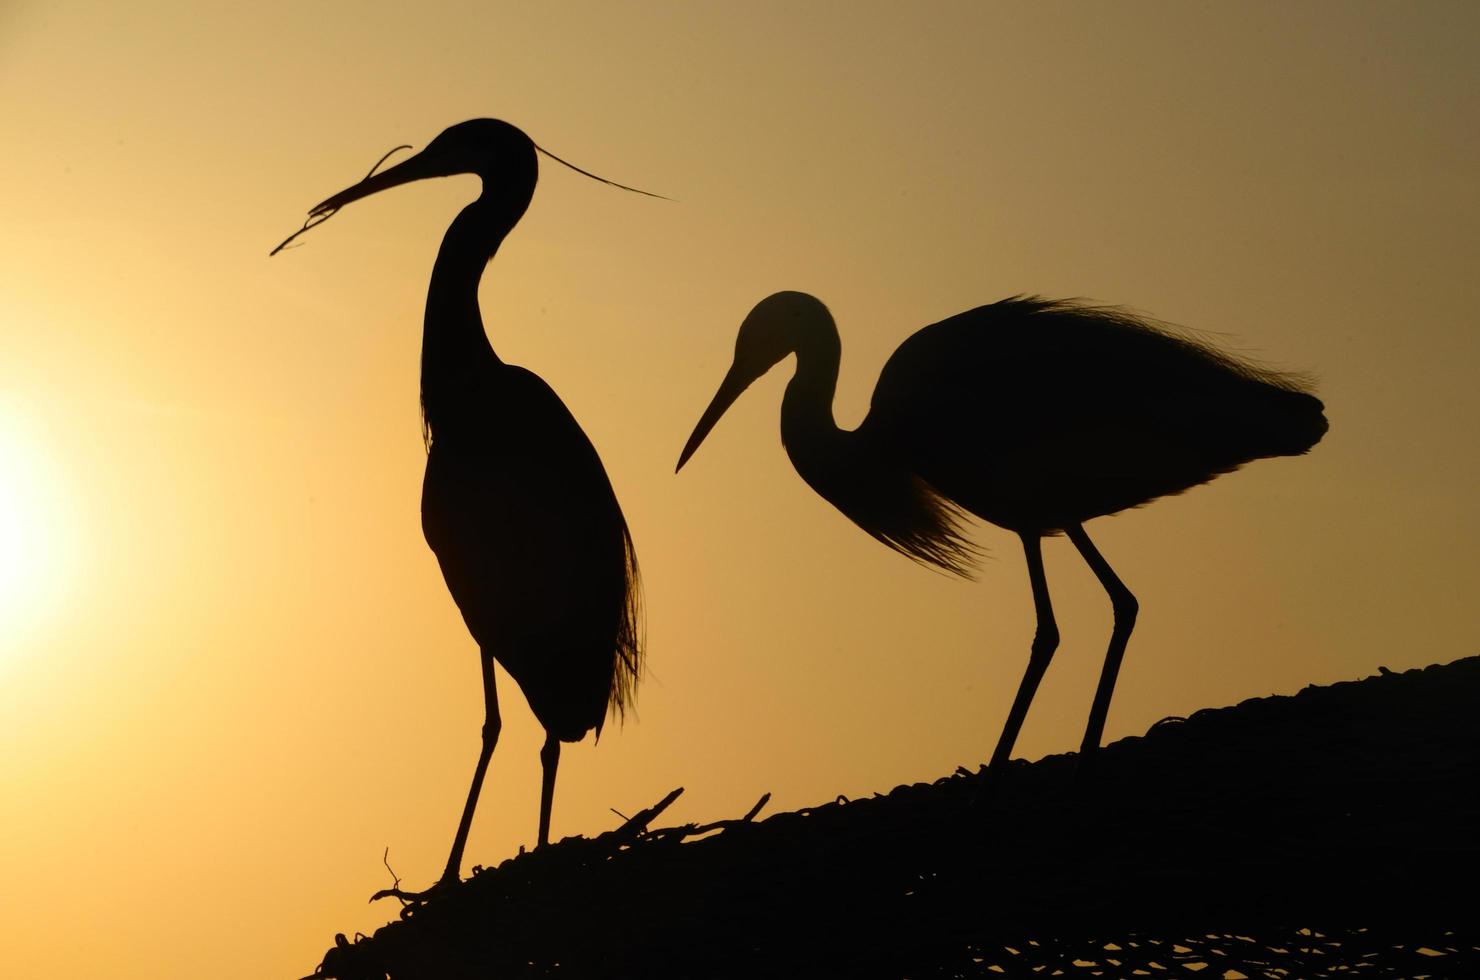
x: 515, y: 502
x: 1033, y: 415
x: 533, y: 547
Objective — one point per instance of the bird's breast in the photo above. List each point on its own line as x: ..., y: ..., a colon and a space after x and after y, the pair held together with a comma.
x: 485, y: 503
x: 516, y: 537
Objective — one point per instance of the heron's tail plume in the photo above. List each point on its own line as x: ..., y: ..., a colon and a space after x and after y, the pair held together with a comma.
x: 1300, y: 424
x: 628, y: 655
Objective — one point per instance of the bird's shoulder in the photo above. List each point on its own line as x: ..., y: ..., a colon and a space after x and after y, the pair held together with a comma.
x: 989, y: 353
x: 521, y: 385
x: 516, y: 413
x: 526, y: 403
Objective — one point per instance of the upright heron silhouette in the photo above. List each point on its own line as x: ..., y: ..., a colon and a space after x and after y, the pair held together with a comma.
x: 515, y: 503
x: 1035, y: 415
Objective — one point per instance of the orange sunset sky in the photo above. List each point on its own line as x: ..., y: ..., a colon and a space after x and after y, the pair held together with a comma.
x: 230, y: 674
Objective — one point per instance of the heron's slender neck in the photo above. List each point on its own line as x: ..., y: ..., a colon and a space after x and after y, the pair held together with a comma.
x: 873, y: 489
x: 456, y: 358
x: 808, y: 430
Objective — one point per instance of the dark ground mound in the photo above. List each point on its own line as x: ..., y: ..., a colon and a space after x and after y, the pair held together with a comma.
x: 1332, y: 833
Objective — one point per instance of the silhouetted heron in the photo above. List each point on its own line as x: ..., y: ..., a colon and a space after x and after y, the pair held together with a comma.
x: 515, y: 503
x: 1035, y: 415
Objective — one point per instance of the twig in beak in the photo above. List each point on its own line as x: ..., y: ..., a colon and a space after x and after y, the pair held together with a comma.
x: 319, y: 217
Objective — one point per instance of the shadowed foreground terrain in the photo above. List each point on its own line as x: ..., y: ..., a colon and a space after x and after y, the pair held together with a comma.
x: 1332, y: 833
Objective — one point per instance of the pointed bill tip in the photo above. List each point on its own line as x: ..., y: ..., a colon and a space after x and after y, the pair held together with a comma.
x: 691, y: 446
x: 736, y: 381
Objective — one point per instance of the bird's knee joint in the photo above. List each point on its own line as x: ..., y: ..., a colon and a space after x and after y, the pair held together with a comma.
x: 1045, y: 642
x: 1125, y: 607
x: 491, y: 728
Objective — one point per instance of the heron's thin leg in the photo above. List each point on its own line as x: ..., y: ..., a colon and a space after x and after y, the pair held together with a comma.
x: 1045, y: 641
x: 1125, y: 606
x: 491, y: 725
x: 550, y: 760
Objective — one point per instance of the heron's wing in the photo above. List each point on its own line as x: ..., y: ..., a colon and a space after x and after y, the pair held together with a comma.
x: 1053, y: 405
x: 532, y: 542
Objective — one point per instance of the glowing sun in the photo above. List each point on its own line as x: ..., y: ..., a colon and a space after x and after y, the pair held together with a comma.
x: 36, y: 536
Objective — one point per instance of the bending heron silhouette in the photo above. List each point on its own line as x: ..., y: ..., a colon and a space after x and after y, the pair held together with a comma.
x: 515, y: 502
x: 1035, y: 415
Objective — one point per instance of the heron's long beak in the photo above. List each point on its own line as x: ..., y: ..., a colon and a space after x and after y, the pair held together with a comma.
x: 418, y: 167
x: 730, y: 389
x: 405, y: 172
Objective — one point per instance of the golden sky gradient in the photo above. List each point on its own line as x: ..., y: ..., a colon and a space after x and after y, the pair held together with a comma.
x: 230, y: 674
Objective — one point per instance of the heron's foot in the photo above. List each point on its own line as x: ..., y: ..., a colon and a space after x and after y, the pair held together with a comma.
x: 988, y: 787
x: 442, y: 887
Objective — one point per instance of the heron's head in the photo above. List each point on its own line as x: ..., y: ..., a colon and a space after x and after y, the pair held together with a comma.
x: 490, y: 148
x: 780, y: 324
